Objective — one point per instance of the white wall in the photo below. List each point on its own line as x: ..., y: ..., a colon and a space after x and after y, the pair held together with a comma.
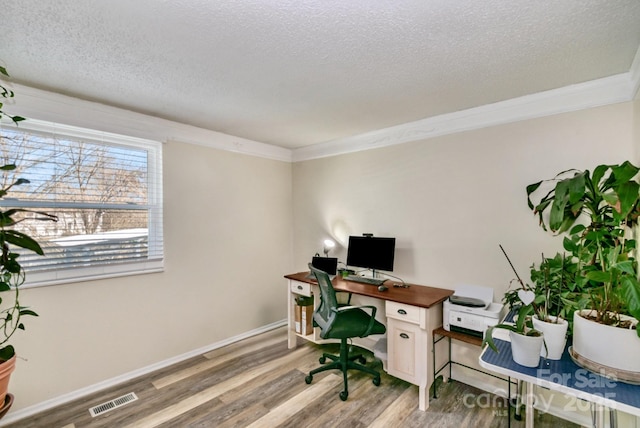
x: 227, y: 223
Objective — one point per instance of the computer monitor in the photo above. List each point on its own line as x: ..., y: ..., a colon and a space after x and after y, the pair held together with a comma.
x: 371, y: 252
x: 326, y: 264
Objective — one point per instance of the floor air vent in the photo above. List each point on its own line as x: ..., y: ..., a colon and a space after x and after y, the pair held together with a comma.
x: 113, y: 404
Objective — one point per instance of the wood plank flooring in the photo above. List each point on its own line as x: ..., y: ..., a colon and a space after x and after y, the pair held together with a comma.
x: 258, y: 382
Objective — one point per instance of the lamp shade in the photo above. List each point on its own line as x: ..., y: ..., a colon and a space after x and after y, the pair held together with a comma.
x: 328, y: 246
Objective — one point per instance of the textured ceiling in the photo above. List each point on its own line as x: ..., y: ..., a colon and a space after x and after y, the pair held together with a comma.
x: 300, y: 72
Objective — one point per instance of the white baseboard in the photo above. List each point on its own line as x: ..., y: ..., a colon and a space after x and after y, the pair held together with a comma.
x: 74, y: 395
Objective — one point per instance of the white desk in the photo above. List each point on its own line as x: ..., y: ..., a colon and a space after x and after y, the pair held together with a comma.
x: 410, y: 314
x: 566, y: 377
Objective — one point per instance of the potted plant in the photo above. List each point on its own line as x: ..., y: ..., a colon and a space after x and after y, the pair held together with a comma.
x: 598, y: 212
x: 526, y: 341
x: 553, y: 302
x: 12, y: 274
x: 554, y: 280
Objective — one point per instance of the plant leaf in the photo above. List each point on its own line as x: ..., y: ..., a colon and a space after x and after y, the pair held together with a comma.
x: 624, y: 172
x: 556, y: 215
x: 626, y: 267
x: 628, y: 194
x: 22, y: 240
x: 599, y: 276
x: 7, y: 353
x: 488, y: 336
x: 631, y: 294
x: 530, y: 189
x: 576, y: 187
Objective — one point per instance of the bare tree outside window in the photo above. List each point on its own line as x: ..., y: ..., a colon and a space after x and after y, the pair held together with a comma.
x: 98, y: 191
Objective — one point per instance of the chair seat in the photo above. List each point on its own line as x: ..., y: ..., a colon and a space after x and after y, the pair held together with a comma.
x: 352, y: 323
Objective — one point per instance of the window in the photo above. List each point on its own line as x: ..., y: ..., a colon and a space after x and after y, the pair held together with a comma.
x: 106, y: 191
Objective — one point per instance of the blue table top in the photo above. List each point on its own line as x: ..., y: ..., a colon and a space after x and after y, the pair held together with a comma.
x: 566, y: 376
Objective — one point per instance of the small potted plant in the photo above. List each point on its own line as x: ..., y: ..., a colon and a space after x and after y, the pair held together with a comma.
x: 598, y: 212
x: 526, y: 341
x: 553, y: 290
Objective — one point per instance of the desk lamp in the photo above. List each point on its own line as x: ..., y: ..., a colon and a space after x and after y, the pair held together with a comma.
x: 328, y: 246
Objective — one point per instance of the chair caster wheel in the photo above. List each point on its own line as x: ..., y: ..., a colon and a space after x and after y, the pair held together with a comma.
x: 308, y: 379
x: 362, y: 360
x: 376, y: 381
x: 322, y: 360
x: 344, y: 395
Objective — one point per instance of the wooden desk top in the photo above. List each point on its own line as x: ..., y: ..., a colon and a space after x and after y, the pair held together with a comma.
x: 416, y: 295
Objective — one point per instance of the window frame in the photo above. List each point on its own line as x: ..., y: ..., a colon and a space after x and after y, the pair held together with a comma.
x: 154, y: 205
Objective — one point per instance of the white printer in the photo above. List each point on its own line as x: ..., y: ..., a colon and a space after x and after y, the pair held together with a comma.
x: 471, y: 310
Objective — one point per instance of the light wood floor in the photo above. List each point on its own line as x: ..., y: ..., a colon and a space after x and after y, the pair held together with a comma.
x: 258, y: 382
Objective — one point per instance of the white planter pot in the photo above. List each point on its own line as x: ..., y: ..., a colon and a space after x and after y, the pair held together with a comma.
x: 613, y: 347
x: 555, y: 336
x: 526, y: 349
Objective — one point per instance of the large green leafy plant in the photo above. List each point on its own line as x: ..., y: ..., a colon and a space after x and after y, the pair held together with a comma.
x: 12, y: 274
x: 598, y: 213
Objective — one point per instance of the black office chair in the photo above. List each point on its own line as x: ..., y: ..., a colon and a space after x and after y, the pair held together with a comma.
x: 342, y: 322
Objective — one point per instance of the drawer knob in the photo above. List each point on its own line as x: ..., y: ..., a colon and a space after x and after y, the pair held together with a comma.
x: 299, y: 287
x: 404, y: 335
x: 402, y: 312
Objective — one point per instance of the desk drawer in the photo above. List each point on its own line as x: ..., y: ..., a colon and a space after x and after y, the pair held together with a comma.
x: 302, y: 288
x: 401, y: 311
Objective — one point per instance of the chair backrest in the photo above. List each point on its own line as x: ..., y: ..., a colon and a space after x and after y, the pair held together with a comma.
x: 324, y: 315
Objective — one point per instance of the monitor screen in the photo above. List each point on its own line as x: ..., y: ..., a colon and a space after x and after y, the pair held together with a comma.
x: 326, y: 264
x: 371, y: 252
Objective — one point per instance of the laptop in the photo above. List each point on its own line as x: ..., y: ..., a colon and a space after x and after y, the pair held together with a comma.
x: 327, y: 264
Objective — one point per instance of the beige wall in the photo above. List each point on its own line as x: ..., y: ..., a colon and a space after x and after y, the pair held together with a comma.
x: 451, y: 200
x: 227, y: 223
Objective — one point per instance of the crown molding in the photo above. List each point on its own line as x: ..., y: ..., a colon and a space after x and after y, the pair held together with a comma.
x: 634, y: 74
x: 53, y: 107
x: 608, y: 90
x: 48, y: 106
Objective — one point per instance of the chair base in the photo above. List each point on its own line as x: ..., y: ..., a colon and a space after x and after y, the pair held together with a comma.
x: 344, y: 362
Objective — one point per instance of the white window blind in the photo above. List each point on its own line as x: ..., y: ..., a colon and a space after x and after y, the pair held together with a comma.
x: 106, y: 191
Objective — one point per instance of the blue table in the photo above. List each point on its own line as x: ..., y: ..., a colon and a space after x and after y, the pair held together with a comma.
x: 566, y: 377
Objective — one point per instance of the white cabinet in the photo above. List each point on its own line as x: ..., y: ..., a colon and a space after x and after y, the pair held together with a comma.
x: 405, y: 341
x: 409, y: 332
x: 402, y: 350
